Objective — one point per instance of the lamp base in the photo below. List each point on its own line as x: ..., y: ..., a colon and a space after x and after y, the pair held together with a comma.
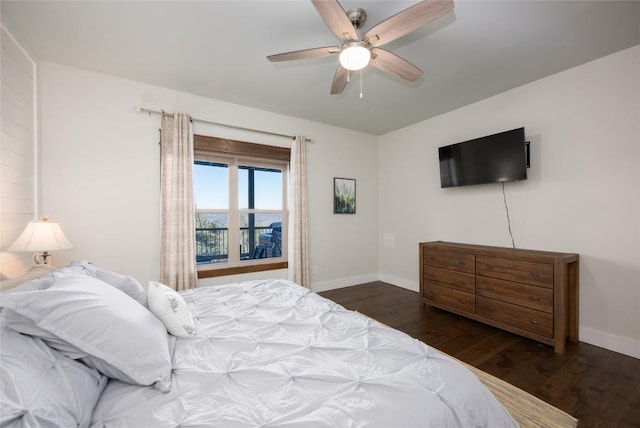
x: 44, y: 258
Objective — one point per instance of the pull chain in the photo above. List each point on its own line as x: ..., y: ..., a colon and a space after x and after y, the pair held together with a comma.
x: 360, y: 83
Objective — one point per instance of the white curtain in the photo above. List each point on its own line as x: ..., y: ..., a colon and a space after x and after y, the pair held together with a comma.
x: 177, y: 238
x: 300, y: 216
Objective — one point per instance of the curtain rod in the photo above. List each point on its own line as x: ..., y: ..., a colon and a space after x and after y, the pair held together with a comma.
x: 208, y: 122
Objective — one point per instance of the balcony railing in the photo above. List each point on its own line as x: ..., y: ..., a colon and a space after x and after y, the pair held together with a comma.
x: 212, y: 244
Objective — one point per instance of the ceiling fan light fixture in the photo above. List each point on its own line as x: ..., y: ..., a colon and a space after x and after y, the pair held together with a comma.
x: 355, y: 56
x: 358, y: 48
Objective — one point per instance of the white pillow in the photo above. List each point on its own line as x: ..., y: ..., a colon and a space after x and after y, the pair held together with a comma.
x: 43, y: 388
x: 124, y: 283
x: 171, y: 309
x: 88, y: 319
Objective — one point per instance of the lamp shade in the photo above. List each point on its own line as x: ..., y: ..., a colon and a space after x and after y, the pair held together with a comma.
x: 41, y: 236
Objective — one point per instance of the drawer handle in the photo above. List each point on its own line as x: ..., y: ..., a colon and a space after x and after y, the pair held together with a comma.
x: 462, y: 301
x: 461, y: 263
x: 534, y: 298
x: 489, y: 288
x: 534, y: 274
x: 489, y: 267
x: 534, y: 322
x: 489, y: 308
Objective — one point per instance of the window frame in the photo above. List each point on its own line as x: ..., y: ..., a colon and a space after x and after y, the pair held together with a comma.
x: 234, y: 154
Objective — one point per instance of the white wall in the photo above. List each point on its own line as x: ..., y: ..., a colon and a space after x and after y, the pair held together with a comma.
x: 582, y: 194
x: 100, y: 174
x: 100, y: 179
x: 18, y: 203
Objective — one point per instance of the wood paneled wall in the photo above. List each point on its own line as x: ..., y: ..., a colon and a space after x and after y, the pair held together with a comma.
x: 18, y: 151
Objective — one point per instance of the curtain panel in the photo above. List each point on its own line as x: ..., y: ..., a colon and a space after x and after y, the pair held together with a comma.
x: 300, y: 251
x: 177, y: 238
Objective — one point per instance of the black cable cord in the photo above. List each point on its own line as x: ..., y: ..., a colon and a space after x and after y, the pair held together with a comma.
x: 504, y: 197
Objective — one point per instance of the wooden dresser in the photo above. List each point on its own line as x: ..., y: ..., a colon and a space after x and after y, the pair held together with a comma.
x: 530, y: 293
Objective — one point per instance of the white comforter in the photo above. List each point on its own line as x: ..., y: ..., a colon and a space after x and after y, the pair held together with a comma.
x: 271, y: 353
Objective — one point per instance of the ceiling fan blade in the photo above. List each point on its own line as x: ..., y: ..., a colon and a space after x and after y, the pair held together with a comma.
x: 392, y: 63
x: 335, y: 17
x: 340, y: 80
x: 304, y: 54
x: 407, y: 20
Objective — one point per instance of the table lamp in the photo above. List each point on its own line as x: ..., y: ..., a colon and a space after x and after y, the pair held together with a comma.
x: 41, y: 237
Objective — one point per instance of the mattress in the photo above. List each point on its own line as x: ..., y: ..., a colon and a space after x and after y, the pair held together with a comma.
x: 272, y: 353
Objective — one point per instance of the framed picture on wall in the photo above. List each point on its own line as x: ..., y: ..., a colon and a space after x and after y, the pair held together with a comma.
x: 344, y: 195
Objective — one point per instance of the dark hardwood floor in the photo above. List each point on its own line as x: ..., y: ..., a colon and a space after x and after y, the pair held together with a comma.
x: 599, y: 387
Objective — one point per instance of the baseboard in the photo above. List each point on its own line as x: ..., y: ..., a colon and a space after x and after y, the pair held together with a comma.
x: 608, y: 341
x: 343, y: 282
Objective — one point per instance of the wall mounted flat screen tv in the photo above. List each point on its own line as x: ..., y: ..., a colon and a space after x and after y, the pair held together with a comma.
x: 495, y: 158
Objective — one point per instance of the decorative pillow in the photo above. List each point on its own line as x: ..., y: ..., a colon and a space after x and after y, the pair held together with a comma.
x: 39, y: 272
x: 41, y: 387
x: 171, y: 309
x: 88, y: 319
x: 124, y: 283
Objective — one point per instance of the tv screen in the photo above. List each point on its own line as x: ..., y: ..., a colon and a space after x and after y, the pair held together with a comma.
x: 492, y: 159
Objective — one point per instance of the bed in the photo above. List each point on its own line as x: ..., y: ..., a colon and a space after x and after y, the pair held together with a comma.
x: 82, y: 346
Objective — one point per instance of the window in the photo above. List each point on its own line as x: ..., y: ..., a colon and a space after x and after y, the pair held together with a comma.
x: 240, y: 192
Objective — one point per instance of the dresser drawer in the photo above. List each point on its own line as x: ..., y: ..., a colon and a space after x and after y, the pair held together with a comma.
x: 517, y: 316
x: 447, y: 259
x: 449, y: 297
x: 531, y: 296
x: 540, y: 274
x: 459, y: 280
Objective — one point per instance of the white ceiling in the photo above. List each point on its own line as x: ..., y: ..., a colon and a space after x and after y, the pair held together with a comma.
x: 218, y: 49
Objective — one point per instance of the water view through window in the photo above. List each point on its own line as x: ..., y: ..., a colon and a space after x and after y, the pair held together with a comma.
x: 255, y: 222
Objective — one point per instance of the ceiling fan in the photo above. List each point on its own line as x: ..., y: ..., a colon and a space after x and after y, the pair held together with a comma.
x: 357, y: 50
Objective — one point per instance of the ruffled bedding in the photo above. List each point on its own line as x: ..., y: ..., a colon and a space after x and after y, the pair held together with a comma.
x: 267, y: 354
